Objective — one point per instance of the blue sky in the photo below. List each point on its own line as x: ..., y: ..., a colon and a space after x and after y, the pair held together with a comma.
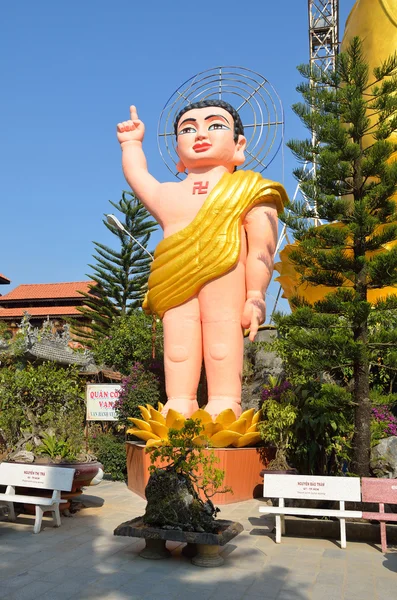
x: 69, y: 71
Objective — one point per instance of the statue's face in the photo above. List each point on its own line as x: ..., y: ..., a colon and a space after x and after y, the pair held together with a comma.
x: 205, y: 138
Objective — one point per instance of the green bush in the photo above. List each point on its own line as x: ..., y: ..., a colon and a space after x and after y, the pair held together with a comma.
x: 40, y: 397
x: 140, y: 387
x: 130, y: 339
x: 110, y: 451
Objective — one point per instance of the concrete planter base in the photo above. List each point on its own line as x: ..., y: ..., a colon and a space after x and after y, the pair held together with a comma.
x: 202, y: 548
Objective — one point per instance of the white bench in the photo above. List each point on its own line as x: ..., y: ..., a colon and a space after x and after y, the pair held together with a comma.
x: 311, y: 487
x: 36, y: 476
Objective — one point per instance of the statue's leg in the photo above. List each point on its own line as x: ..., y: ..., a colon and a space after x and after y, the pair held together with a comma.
x: 183, y: 356
x: 221, y: 304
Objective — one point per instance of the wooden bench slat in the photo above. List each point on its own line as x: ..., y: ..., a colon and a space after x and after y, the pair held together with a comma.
x: 380, y: 516
x: 314, y: 512
x: 43, y: 501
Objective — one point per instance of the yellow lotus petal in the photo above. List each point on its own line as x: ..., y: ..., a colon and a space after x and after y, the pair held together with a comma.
x: 200, y: 440
x: 202, y: 415
x: 226, y: 417
x: 155, y: 415
x: 145, y: 413
x: 143, y: 435
x: 159, y: 429
x: 253, y: 428
x: 211, y: 428
x: 154, y: 443
x: 240, y: 426
x: 160, y: 406
x: 172, y: 416
x: 248, y: 416
x: 224, y: 438
x: 179, y: 423
x: 257, y: 417
x: 140, y: 424
x: 248, y: 439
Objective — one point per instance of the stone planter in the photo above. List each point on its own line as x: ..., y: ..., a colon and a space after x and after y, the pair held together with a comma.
x: 202, y: 548
x: 242, y: 468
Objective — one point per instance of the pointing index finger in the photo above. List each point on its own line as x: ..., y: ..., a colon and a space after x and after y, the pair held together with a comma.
x: 133, y: 113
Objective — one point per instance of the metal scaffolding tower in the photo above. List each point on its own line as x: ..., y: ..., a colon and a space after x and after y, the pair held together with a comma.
x: 323, y: 33
x: 323, y: 50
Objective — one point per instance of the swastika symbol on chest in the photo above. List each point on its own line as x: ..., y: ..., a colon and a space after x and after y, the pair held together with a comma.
x: 200, y: 187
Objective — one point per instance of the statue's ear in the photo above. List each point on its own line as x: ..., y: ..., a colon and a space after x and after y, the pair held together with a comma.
x: 239, y: 157
x: 180, y: 167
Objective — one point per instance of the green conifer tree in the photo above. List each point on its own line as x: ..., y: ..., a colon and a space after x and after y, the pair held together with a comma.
x: 352, y: 114
x: 120, y: 275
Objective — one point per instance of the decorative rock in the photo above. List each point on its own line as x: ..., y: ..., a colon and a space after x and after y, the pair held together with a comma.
x: 384, y: 458
x: 258, y: 365
x: 172, y: 503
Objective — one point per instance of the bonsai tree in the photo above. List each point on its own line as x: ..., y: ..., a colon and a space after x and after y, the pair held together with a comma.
x: 175, y: 491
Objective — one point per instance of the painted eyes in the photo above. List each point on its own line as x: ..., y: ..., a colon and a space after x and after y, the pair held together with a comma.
x: 212, y: 127
x: 187, y: 130
x: 217, y: 126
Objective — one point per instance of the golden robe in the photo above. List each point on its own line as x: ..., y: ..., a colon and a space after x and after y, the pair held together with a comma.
x: 210, y: 245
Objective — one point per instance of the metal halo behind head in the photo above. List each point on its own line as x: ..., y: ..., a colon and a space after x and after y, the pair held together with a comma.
x: 249, y: 93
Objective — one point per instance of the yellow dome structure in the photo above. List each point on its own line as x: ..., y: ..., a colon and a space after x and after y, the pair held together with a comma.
x: 225, y: 431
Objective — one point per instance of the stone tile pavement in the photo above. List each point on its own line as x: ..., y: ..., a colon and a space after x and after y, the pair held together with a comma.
x: 84, y: 561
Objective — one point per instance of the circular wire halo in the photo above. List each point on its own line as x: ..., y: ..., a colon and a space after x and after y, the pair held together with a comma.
x: 254, y: 98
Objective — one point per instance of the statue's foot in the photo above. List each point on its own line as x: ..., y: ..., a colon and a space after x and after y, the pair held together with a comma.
x: 216, y: 406
x: 185, y: 406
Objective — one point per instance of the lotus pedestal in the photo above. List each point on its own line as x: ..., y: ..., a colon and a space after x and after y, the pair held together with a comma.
x: 242, y: 467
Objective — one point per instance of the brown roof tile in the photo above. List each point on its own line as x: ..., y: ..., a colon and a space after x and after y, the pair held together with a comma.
x: 38, y: 311
x: 41, y: 291
x: 4, y: 279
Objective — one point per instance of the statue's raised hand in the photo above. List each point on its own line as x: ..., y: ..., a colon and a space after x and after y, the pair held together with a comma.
x: 132, y: 130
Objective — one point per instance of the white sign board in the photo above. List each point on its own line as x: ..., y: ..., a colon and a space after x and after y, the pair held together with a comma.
x: 100, y: 401
x: 312, y: 487
x: 36, y: 476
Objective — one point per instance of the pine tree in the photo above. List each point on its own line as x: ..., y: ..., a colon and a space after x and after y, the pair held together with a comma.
x: 120, y: 276
x: 352, y: 114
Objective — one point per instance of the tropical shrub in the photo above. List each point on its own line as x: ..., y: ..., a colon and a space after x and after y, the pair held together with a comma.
x: 110, y: 450
x: 141, y: 386
x: 40, y: 397
x: 130, y: 339
x: 310, y: 425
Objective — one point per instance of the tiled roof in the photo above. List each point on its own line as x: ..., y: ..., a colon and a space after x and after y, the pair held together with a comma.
x: 4, y: 279
x: 42, y: 291
x: 38, y: 311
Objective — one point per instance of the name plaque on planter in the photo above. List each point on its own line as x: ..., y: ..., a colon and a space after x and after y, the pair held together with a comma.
x: 100, y: 401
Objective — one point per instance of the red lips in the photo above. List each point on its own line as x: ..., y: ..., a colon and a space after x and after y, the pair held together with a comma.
x: 201, y: 147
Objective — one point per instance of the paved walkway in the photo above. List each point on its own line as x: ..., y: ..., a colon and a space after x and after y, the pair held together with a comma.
x: 83, y: 560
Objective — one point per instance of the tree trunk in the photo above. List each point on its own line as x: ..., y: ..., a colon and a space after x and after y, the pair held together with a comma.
x: 362, y: 418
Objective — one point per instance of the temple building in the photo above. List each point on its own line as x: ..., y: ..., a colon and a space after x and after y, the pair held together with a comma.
x: 42, y: 301
x: 4, y: 280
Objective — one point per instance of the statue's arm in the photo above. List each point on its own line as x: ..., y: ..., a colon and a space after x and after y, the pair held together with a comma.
x: 261, y: 227
x: 130, y: 134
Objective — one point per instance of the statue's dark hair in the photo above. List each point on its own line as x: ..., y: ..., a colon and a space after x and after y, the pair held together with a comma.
x: 238, y: 126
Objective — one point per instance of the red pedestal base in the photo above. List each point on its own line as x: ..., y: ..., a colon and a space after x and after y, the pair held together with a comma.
x: 242, y: 468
